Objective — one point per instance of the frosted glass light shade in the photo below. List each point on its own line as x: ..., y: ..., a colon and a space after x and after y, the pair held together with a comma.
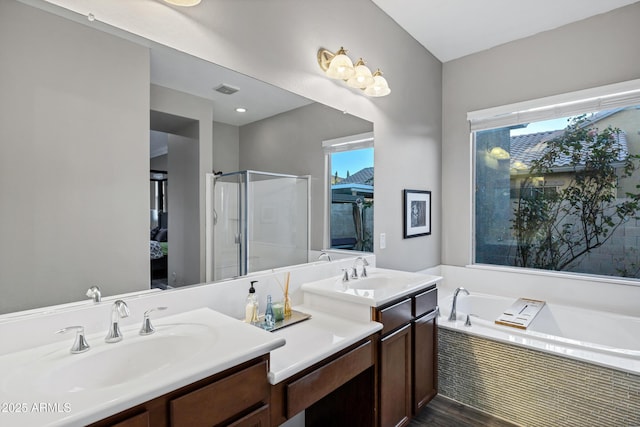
x: 499, y: 153
x: 184, y: 3
x: 380, y: 87
x: 362, y: 76
x: 341, y: 66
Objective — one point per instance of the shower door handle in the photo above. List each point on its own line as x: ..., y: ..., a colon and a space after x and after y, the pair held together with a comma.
x: 238, y: 238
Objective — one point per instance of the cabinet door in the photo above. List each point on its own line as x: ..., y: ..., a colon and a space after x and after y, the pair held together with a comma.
x: 141, y: 420
x: 395, y: 378
x: 425, y: 360
x: 258, y: 418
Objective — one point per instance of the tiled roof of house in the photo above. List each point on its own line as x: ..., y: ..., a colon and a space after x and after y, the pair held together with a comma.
x: 526, y: 148
x: 363, y: 176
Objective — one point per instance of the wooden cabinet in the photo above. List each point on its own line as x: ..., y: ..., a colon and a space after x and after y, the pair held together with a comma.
x: 140, y: 420
x: 395, y: 378
x: 407, y: 376
x: 425, y: 368
x: 237, y: 397
x: 337, y: 391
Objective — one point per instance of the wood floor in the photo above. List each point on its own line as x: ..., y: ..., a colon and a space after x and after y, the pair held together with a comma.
x: 443, y: 412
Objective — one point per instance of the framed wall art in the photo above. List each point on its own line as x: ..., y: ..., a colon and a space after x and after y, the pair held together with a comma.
x: 417, y: 213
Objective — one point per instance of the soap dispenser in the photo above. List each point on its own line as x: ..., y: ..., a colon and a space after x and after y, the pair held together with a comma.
x: 251, y: 307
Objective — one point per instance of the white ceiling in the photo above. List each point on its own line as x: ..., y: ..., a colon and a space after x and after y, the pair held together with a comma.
x: 451, y: 29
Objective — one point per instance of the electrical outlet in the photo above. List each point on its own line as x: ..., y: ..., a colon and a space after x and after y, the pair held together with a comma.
x: 383, y: 240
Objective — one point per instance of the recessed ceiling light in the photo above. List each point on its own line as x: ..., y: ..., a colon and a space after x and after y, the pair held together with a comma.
x: 241, y: 110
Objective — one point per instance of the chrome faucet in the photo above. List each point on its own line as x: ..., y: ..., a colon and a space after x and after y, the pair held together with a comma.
x: 354, y: 274
x: 147, y: 328
x: 324, y: 255
x: 118, y: 310
x: 80, y: 344
x: 94, y: 293
x: 454, y: 315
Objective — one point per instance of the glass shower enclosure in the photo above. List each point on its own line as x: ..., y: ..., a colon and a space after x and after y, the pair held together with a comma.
x: 260, y: 221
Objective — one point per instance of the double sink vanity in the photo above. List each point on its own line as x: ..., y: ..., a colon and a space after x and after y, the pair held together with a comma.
x: 366, y: 356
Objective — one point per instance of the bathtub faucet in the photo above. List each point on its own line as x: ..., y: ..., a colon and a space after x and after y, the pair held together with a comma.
x: 454, y: 315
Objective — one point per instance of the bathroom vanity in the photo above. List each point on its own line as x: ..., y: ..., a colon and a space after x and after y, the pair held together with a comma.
x: 406, y: 306
x: 367, y: 345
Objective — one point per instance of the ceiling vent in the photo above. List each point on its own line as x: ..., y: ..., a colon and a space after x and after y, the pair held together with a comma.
x: 226, y: 89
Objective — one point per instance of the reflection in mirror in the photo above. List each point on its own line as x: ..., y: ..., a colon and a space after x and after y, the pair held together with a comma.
x: 260, y: 221
x: 76, y: 119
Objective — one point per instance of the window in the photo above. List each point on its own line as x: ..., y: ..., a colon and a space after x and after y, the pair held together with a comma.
x: 350, y: 196
x: 562, y: 193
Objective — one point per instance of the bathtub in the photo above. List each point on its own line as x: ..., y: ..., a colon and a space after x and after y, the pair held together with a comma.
x: 601, y: 338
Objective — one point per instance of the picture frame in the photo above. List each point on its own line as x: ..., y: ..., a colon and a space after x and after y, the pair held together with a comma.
x: 417, y: 213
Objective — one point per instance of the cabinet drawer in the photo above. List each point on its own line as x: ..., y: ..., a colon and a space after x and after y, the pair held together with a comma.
x: 425, y: 302
x: 312, y: 387
x: 395, y: 316
x: 223, y: 399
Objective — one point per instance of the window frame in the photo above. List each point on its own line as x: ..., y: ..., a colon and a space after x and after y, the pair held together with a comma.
x: 330, y: 146
x: 623, y: 94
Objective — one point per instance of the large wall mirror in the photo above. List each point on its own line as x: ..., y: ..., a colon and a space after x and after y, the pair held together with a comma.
x: 87, y: 112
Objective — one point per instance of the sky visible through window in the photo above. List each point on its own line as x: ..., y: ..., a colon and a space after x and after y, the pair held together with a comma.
x: 352, y: 161
x: 555, y: 124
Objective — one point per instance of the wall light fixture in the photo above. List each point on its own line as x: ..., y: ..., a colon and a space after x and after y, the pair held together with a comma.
x: 339, y: 66
x: 499, y: 153
x: 184, y: 3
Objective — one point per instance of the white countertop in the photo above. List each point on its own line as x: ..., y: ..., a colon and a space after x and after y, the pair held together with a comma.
x: 313, y: 340
x: 380, y: 287
x: 29, y: 397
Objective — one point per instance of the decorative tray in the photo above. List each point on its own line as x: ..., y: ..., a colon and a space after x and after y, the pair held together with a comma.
x: 296, y: 317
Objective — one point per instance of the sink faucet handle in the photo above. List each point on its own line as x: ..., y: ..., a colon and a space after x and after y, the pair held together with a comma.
x: 147, y: 328
x: 94, y: 293
x: 345, y: 274
x: 80, y: 345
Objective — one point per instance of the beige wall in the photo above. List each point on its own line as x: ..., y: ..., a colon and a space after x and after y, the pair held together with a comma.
x: 95, y: 231
x: 594, y: 52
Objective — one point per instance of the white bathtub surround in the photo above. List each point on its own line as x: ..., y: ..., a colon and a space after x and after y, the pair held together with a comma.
x: 596, y: 337
x: 532, y: 388
x: 571, y: 366
x: 618, y: 296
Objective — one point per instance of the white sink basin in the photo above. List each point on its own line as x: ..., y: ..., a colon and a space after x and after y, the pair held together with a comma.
x: 128, y: 360
x: 107, y: 365
x: 110, y: 378
x: 379, y: 287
